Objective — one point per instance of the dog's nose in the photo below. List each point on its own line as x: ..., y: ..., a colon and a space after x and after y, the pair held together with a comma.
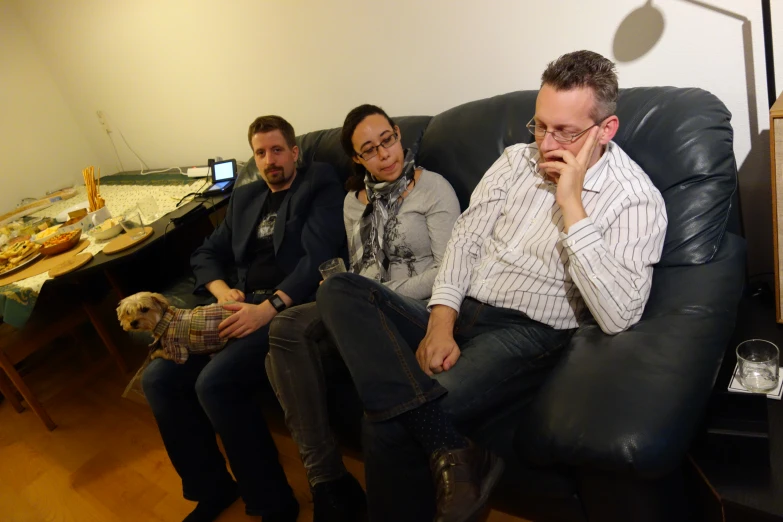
x: 134, y: 324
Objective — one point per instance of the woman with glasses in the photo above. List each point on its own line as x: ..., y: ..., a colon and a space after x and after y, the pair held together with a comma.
x: 398, y: 220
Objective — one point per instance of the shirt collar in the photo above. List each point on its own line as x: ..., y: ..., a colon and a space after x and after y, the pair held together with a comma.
x: 595, y: 175
x: 160, y: 328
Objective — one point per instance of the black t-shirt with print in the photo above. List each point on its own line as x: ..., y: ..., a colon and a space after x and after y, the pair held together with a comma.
x: 263, y: 272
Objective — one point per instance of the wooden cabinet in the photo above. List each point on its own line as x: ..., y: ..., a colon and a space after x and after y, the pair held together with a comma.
x: 776, y: 163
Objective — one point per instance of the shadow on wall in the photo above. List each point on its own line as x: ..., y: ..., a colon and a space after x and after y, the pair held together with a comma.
x: 637, y: 34
x: 756, y: 204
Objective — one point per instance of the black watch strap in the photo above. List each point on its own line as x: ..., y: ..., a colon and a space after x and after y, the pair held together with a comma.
x: 277, y: 303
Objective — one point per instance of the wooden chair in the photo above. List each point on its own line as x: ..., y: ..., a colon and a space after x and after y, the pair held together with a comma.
x: 17, y: 345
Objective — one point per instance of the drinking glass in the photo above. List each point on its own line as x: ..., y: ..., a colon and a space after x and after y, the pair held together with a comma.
x: 132, y: 223
x: 331, y: 267
x: 149, y: 209
x: 758, y: 362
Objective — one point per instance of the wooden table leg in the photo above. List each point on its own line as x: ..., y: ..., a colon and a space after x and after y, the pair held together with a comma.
x: 114, y: 284
x: 8, y: 390
x: 32, y: 401
x: 105, y: 337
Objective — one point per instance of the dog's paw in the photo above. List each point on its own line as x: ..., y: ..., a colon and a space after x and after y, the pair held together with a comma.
x: 160, y: 354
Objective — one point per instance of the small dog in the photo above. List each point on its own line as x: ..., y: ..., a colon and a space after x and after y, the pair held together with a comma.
x: 176, y: 332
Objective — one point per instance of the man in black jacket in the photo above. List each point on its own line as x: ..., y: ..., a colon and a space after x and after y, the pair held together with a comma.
x: 275, y: 235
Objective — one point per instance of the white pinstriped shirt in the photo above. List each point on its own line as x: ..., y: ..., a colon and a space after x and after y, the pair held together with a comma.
x: 508, y: 249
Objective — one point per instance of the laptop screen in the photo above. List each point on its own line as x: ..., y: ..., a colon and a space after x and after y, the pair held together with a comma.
x: 224, y: 171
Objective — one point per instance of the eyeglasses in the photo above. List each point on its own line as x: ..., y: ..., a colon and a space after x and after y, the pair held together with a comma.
x: 559, y: 136
x: 372, y: 151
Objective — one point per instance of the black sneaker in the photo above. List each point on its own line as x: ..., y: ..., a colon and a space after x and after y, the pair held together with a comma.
x: 340, y: 500
x: 210, y: 508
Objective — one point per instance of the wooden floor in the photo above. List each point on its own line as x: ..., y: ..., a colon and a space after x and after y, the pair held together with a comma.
x: 105, y: 462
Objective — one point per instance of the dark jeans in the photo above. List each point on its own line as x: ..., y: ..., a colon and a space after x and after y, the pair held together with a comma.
x: 193, y: 401
x: 298, y: 364
x: 504, y: 356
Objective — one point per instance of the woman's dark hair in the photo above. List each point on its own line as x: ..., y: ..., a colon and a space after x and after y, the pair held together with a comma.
x: 354, y: 118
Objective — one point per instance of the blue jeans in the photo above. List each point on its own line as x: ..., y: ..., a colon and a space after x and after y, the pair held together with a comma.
x: 193, y: 401
x: 298, y: 366
x: 504, y: 357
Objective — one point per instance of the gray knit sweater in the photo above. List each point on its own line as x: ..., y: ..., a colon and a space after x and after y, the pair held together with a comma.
x: 422, y: 230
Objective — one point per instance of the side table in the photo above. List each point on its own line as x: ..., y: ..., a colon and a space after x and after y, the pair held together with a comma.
x: 740, y: 452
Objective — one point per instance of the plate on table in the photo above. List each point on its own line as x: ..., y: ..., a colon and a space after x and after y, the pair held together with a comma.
x: 61, y: 242
x: 29, y: 260
x: 107, y: 230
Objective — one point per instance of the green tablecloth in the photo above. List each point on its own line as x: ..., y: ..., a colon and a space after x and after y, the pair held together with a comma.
x: 16, y: 304
x: 128, y: 178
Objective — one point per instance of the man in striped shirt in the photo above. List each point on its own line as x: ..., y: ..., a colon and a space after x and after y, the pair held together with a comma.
x: 556, y: 231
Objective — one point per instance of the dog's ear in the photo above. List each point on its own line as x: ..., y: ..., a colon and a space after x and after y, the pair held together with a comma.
x: 160, y: 299
x: 121, y: 308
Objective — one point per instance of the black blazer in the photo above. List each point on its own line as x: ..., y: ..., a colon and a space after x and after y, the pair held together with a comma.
x: 309, y: 230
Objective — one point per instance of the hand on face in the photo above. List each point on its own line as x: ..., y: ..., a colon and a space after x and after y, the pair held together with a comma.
x: 568, y: 171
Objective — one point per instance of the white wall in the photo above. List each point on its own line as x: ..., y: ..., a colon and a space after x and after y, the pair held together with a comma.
x: 41, y: 146
x: 776, y: 10
x: 182, y: 79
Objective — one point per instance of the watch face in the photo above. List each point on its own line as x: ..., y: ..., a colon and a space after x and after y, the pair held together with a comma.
x: 277, y: 303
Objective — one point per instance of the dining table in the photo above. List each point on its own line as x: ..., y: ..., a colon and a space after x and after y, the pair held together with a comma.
x: 162, y: 207
x: 36, y: 310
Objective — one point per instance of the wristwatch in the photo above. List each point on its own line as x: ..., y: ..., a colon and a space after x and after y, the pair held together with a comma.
x: 277, y: 303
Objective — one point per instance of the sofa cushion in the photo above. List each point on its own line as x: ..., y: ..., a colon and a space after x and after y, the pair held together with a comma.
x: 683, y: 139
x: 462, y: 143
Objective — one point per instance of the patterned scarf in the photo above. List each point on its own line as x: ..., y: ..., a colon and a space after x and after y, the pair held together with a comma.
x: 369, y: 256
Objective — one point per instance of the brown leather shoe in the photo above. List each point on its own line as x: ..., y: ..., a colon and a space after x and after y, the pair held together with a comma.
x: 463, y: 480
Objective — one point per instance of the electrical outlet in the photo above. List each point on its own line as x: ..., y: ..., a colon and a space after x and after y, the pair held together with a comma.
x: 103, y: 122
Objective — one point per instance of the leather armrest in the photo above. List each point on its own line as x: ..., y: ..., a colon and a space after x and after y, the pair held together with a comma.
x: 633, y: 401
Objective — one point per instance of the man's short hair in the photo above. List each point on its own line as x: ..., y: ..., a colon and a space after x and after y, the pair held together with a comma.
x: 269, y: 124
x: 586, y: 69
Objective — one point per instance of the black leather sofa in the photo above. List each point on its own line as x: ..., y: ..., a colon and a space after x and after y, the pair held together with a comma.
x: 606, y: 436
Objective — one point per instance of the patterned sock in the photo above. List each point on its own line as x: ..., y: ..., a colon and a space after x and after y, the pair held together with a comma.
x: 432, y: 428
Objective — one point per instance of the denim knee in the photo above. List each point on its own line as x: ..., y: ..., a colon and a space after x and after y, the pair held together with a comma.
x: 292, y: 328
x: 337, y: 286
x: 211, y: 390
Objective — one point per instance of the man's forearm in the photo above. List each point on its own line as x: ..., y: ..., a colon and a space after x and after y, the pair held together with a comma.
x: 218, y: 287
x: 573, y: 212
x: 285, y: 297
x: 442, y: 318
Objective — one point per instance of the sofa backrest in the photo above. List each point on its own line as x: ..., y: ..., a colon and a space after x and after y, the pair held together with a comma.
x: 325, y: 145
x: 682, y: 138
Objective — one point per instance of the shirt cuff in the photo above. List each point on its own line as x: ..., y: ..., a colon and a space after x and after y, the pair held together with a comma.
x: 581, y: 236
x: 447, y: 295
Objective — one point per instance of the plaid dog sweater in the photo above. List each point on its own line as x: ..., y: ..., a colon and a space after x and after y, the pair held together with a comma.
x: 181, y: 332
